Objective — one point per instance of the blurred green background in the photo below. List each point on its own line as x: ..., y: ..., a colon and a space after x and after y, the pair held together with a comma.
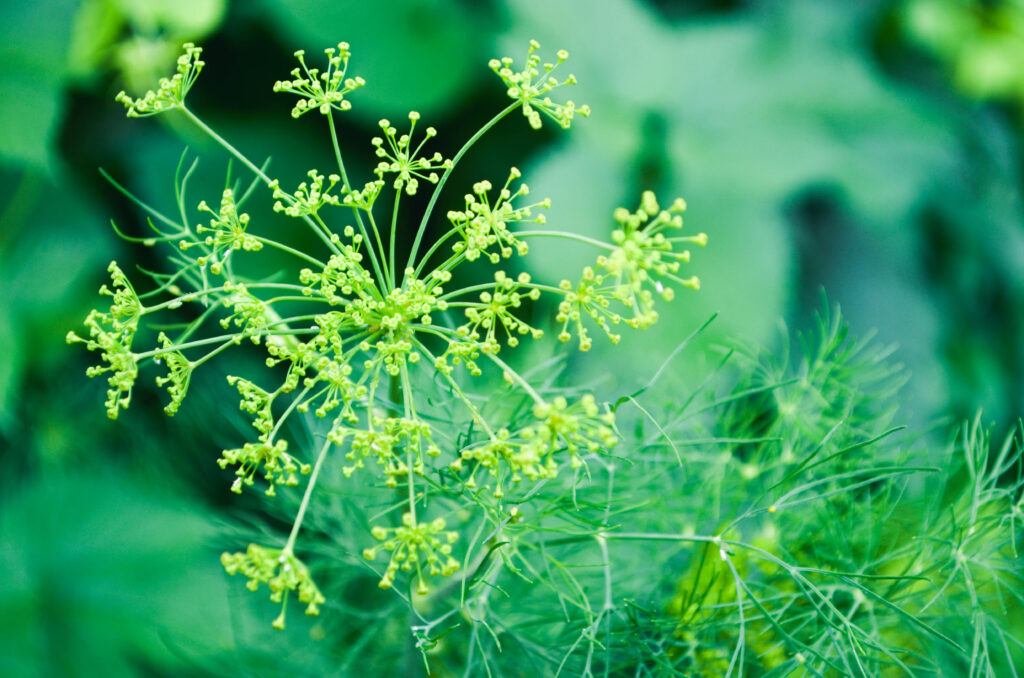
x: 870, y: 149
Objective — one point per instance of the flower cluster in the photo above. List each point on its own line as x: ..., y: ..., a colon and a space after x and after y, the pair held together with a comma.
x: 404, y: 161
x: 281, y: 571
x: 577, y: 428
x: 171, y: 92
x: 386, y: 441
x: 111, y: 334
x: 373, y: 341
x: 412, y: 545
x: 365, y: 198
x: 179, y: 374
x: 336, y: 389
x: 496, y: 309
x: 589, y: 299
x: 248, y: 312
x: 227, y: 233
x: 533, y: 452
x: 307, y: 198
x: 257, y: 402
x: 531, y: 88
x: 640, y: 250
x: 321, y: 91
x: 278, y: 466
x: 484, y: 226
x: 343, y: 277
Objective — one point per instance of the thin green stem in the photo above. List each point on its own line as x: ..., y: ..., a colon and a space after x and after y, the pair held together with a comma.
x: 209, y: 356
x: 297, y: 525
x: 214, y: 340
x: 289, y: 250
x: 466, y: 290
x: 191, y: 328
x: 433, y: 248
x: 380, y: 248
x: 450, y: 263
x: 566, y: 235
x: 355, y: 210
x: 394, y: 229
x: 406, y: 387
x: 512, y: 374
x: 284, y: 415
x: 223, y: 142
x: 457, y: 390
x: 192, y: 296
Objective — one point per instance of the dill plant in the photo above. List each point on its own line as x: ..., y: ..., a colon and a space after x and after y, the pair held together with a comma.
x: 375, y: 337
x: 770, y: 519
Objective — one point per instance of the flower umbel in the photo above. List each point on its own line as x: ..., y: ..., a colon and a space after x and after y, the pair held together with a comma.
x: 112, y: 333
x: 484, y: 226
x: 412, y: 545
x: 281, y: 571
x: 530, y: 87
x: 307, y: 198
x: 321, y: 91
x: 226, y: 233
x: 404, y: 161
x: 171, y: 92
x: 641, y: 254
x: 642, y: 251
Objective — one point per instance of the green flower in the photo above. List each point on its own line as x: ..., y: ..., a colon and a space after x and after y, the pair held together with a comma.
x: 171, y: 92
x: 307, y: 198
x: 277, y: 465
x: 321, y: 91
x: 343, y: 278
x: 502, y: 451
x: 227, y: 234
x: 496, y: 310
x: 641, y: 255
x: 401, y: 159
x: 365, y: 198
x: 587, y: 299
x: 460, y: 353
x: 248, y: 312
x: 412, y: 545
x: 642, y: 251
x: 577, y: 428
x: 531, y: 88
x: 111, y: 334
x: 336, y: 389
x: 281, y: 571
x: 256, y: 402
x: 484, y: 226
x: 387, y: 442
x: 179, y: 374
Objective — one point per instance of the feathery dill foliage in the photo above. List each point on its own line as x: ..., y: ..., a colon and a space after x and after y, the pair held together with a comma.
x: 816, y: 539
x: 770, y: 521
x: 376, y: 338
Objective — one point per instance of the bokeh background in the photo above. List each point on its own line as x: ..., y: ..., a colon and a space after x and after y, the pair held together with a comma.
x: 870, y: 150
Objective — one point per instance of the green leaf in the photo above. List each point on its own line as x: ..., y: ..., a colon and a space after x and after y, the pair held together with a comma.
x: 192, y: 18
x: 33, y: 62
